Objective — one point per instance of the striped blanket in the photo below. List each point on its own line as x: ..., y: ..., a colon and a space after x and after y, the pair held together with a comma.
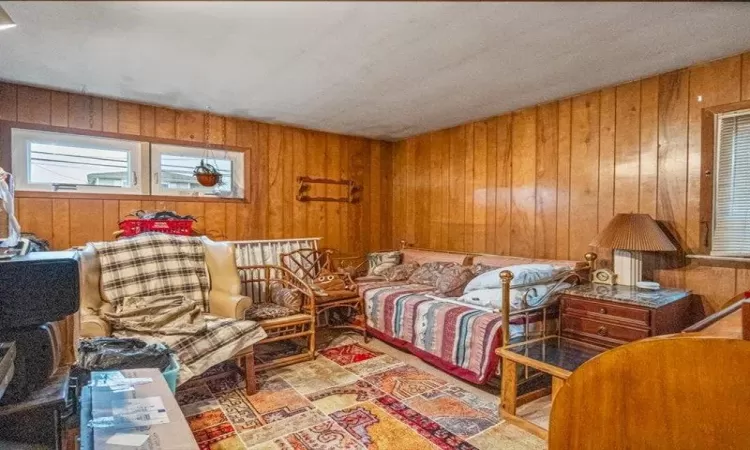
x: 459, y: 339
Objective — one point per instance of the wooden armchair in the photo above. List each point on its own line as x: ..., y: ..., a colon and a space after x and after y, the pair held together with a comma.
x: 274, y: 289
x: 314, y: 267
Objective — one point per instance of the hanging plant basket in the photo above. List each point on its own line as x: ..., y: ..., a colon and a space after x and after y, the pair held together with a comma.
x: 206, y: 174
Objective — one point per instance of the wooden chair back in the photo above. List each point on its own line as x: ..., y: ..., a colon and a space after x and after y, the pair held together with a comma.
x: 674, y: 392
x: 306, y: 263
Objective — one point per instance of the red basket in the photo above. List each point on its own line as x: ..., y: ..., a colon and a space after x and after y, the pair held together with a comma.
x: 132, y: 227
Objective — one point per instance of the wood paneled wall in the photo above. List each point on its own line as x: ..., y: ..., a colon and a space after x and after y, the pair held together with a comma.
x: 275, y: 156
x: 544, y: 180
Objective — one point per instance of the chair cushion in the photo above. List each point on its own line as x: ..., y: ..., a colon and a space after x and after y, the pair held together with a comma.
x: 265, y: 311
x: 286, y: 297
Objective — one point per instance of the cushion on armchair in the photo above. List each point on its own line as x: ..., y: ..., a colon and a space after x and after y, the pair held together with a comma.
x: 266, y: 311
x: 286, y: 297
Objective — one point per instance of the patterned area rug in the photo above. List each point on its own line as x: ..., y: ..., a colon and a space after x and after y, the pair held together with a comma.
x: 350, y: 397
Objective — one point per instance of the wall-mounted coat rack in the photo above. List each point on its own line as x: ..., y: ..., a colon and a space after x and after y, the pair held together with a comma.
x: 353, y: 190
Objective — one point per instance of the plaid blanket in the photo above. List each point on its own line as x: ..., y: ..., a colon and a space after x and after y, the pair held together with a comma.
x: 220, y: 341
x: 153, y: 264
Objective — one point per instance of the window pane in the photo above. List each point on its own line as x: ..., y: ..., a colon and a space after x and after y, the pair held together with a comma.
x: 731, y: 232
x: 177, y: 173
x: 50, y: 163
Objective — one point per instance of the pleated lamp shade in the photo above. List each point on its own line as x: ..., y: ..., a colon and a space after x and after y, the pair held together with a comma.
x: 634, y: 232
x: 5, y: 20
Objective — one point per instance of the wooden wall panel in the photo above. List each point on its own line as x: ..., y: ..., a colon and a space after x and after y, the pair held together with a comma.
x: 563, y: 179
x: 627, y: 145
x: 523, y: 183
x: 649, y: 143
x: 584, y: 182
x: 478, y: 189
x: 456, y: 185
x: 557, y: 173
x: 275, y: 156
x: 546, y: 181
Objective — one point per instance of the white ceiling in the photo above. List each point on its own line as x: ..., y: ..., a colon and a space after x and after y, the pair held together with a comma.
x: 382, y: 70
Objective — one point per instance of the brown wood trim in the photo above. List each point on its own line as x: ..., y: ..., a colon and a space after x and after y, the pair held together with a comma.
x: 6, y: 162
x: 713, y: 318
x: 728, y: 107
x: 100, y: 196
x: 124, y: 136
x: 525, y: 425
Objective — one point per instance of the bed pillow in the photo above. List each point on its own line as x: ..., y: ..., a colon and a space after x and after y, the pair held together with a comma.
x: 492, y: 298
x: 379, y: 261
x: 401, y: 272
x: 428, y: 273
x: 522, y: 274
x: 479, y: 268
x: 452, y: 280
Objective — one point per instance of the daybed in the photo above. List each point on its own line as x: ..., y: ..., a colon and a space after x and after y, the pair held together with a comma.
x: 456, y: 337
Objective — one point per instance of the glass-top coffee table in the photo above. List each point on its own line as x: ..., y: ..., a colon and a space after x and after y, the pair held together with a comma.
x: 554, y: 355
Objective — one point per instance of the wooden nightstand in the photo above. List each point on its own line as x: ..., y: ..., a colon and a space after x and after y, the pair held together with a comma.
x: 609, y: 316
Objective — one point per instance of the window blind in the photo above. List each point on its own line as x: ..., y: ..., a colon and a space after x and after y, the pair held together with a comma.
x: 731, y: 215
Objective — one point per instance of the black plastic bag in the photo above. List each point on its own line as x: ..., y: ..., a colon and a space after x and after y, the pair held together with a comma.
x: 108, y: 353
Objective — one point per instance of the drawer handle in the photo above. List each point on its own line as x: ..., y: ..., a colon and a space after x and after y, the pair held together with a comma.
x: 602, y: 331
x: 602, y: 310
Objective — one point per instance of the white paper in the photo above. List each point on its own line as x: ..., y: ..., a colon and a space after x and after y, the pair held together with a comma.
x: 128, y: 440
x: 141, y: 411
x: 117, y: 382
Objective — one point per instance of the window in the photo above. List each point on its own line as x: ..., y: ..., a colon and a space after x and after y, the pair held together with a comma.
x: 46, y: 161
x: 54, y: 162
x: 172, y: 171
x: 731, y: 196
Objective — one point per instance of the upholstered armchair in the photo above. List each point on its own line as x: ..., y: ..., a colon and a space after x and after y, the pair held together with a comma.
x: 224, y: 298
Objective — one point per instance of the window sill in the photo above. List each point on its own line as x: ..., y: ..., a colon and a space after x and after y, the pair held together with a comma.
x: 152, y: 198
x: 720, y: 258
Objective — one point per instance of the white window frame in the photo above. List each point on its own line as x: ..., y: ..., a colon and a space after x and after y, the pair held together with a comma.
x: 21, y: 140
x: 732, y: 252
x: 238, y: 170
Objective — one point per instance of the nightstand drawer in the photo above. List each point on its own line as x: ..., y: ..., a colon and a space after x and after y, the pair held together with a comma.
x: 600, y: 332
x: 606, y: 311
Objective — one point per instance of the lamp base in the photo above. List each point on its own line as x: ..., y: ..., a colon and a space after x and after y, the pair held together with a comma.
x: 628, y: 267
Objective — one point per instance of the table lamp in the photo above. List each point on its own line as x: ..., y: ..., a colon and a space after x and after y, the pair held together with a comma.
x: 629, y: 235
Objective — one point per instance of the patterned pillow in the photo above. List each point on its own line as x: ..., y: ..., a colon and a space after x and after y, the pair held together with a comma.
x: 428, y: 273
x: 452, y: 280
x: 266, y: 311
x: 401, y: 272
x: 286, y: 297
x: 329, y: 281
x: 379, y: 261
x: 479, y: 268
